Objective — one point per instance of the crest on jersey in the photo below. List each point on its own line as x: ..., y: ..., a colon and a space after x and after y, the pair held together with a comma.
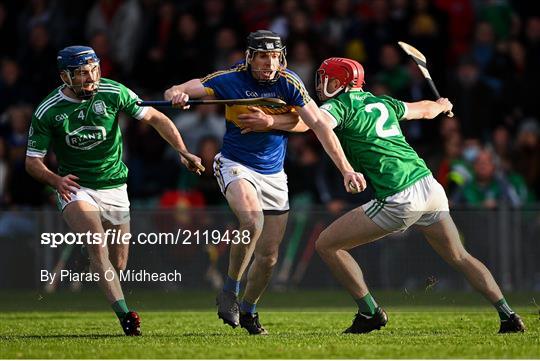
x: 99, y: 107
x: 86, y: 137
x: 31, y: 131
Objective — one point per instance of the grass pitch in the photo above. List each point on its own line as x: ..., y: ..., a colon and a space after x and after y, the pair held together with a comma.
x: 302, y: 325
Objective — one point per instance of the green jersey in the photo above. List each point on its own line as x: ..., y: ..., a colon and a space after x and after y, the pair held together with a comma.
x: 85, y: 134
x: 368, y: 129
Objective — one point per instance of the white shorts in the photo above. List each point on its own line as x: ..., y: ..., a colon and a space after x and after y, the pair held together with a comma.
x: 271, y: 189
x: 423, y: 203
x: 113, y: 204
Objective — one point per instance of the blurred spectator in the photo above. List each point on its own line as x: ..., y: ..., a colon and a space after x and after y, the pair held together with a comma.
x: 206, y: 183
x: 473, y: 100
x: 400, y: 15
x: 421, y: 134
x: 377, y: 31
x: 502, y: 147
x: 282, y: 22
x: 428, y: 34
x: 12, y: 88
x: 491, y: 187
x: 460, y: 24
x: 316, y: 11
x: 150, y: 172
x: 499, y: 14
x: 22, y: 188
x: 257, y: 15
x: 527, y: 154
x: 100, y: 43
x: 66, y: 24
x: 453, y: 171
x: 203, y: 122
x: 339, y: 26
x: 301, y: 61
x: 39, y: 63
x: 8, y: 26
x: 518, y: 77
x: 377, y: 89
x: 186, y: 54
x: 392, y: 74
x: 532, y: 40
x: 215, y: 15
x: 120, y: 20
x: 37, y: 13
x: 302, y: 160
x: 4, y: 171
x: 226, y: 44
x: 301, y: 30
x: 483, y: 47
x: 157, y: 30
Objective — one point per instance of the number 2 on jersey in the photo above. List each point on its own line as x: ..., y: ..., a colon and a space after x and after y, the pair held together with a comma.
x: 379, y: 124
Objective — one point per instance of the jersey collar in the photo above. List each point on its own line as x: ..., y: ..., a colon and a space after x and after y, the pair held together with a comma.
x: 69, y: 99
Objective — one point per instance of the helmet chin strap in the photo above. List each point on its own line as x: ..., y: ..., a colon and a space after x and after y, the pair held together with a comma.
x: 325, y: 87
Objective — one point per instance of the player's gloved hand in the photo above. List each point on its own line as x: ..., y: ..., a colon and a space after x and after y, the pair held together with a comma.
x: 255, y: 120
x: 66, y: 186
x: 446, y: 105
x: 177, y: 97
x: 192, y: 162
x: 354, y: 182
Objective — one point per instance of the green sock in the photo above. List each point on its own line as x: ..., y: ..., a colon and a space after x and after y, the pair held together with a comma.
x: 366, y: 305
x: 504, y: 309
x: 120, y: 308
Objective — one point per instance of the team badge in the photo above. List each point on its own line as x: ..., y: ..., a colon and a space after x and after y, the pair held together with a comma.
x: 99, y: 107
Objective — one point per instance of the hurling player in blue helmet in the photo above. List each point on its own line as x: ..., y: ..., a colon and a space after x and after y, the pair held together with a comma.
x: 249, y: 167
x: 79, y: 119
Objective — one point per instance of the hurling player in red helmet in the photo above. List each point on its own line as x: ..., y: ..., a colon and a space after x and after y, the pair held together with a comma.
x: 405, y: 191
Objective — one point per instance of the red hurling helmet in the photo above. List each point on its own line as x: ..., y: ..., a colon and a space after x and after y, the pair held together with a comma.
x: 349, y: 73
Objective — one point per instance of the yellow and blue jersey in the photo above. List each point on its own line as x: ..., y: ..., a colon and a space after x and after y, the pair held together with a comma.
x: 263, y: 152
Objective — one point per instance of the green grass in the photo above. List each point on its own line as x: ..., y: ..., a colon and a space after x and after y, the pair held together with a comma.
x: 302, y: 325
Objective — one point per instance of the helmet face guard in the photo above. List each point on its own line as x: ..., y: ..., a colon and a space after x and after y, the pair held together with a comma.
x: 348, y: 72
x: 75, y: 63
x: 266, y: 41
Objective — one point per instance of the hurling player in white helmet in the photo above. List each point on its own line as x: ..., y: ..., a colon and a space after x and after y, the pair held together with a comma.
x: 406, y: 193
x: 249, y: 168
x: 79, y: 119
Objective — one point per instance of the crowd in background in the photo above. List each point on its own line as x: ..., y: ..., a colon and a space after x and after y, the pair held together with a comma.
x: 483, y: 54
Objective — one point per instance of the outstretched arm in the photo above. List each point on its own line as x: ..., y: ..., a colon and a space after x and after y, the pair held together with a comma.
x: 427, y: 109
x: 165, y: 127
x: 180, y: 94
x: 257, y: 120
x: 354, y: 182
